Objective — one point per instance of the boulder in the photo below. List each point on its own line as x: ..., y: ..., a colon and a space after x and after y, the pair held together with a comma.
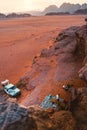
x: 61, y: 120
x: 15, y: 117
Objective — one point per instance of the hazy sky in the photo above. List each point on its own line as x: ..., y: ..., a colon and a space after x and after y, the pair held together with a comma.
x: 26, y: 5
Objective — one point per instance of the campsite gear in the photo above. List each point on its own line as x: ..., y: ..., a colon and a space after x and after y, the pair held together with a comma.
x: 66, y: 87
x: 55, y: 103
x: 49, y: 102
x: 50, y: 110
x: 57, y: 97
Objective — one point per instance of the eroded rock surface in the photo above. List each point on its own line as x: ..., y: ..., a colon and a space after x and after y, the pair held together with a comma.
x: 79, y: 109
x: 61, y: 120
x: 14, y: 117
x: 58, y: 65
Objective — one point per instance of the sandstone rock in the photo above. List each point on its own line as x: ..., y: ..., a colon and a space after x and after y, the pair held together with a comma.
x: 61, y: 120
x: 68, y: 56
x: 70, y: 32
x: 44, y: 52
x: 47, y: 52
x: 83, y: 73
x: 79, y: 109
x: 14, y: 117
x: 82, y: 91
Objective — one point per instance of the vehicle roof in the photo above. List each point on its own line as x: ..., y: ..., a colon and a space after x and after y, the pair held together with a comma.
x: 5, y: 81
x: 9, y: 86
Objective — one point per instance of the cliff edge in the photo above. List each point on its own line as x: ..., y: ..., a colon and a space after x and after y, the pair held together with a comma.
x: 57, y: 65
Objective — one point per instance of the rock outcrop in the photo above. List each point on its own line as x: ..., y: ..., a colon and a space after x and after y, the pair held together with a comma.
x: 62, y: 120
x: 79, y: 109
x: 15, y: 117
x: 57, y: 66
x: 64, y: 62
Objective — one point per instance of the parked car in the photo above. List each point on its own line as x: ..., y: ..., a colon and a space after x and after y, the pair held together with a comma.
x: 10, y: 89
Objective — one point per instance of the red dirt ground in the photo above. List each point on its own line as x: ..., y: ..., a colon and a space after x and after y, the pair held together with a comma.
x: 21, y: 39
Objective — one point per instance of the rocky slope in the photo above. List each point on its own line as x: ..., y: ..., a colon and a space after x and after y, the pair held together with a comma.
x: 79, y: 109
x: 14, y: 116
x: 57, y: 66
x: 64, y: 62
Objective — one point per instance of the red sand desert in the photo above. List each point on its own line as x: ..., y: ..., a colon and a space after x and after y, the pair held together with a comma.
x: 21, y: 39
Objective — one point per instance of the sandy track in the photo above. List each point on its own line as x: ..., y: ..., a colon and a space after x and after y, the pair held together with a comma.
x: 22, y: 39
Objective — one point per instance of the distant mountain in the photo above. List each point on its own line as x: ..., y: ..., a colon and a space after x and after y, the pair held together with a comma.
x: 15, y: 15
x: 81, y: 11
x: 65, y: 7
x: 58, y: 13
x: 2, y: 15
x: 51, y: 8
x: 84, y: 6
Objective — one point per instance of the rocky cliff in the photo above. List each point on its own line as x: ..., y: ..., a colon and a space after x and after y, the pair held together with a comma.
x: 57, y: 66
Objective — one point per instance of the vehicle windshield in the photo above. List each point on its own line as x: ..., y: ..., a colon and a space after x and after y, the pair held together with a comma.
x: 13, y: 87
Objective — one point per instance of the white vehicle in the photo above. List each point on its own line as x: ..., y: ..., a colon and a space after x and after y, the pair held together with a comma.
x: 5, y: 82
x: 10, y: 89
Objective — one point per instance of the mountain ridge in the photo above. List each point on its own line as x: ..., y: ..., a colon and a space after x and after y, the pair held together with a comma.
x: 14, y: 15
x: 65, y: 7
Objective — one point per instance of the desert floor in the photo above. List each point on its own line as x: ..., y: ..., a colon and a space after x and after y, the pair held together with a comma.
x: 21, y: 39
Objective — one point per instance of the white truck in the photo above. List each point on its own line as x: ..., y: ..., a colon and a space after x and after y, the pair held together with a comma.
x: 10, y: 89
